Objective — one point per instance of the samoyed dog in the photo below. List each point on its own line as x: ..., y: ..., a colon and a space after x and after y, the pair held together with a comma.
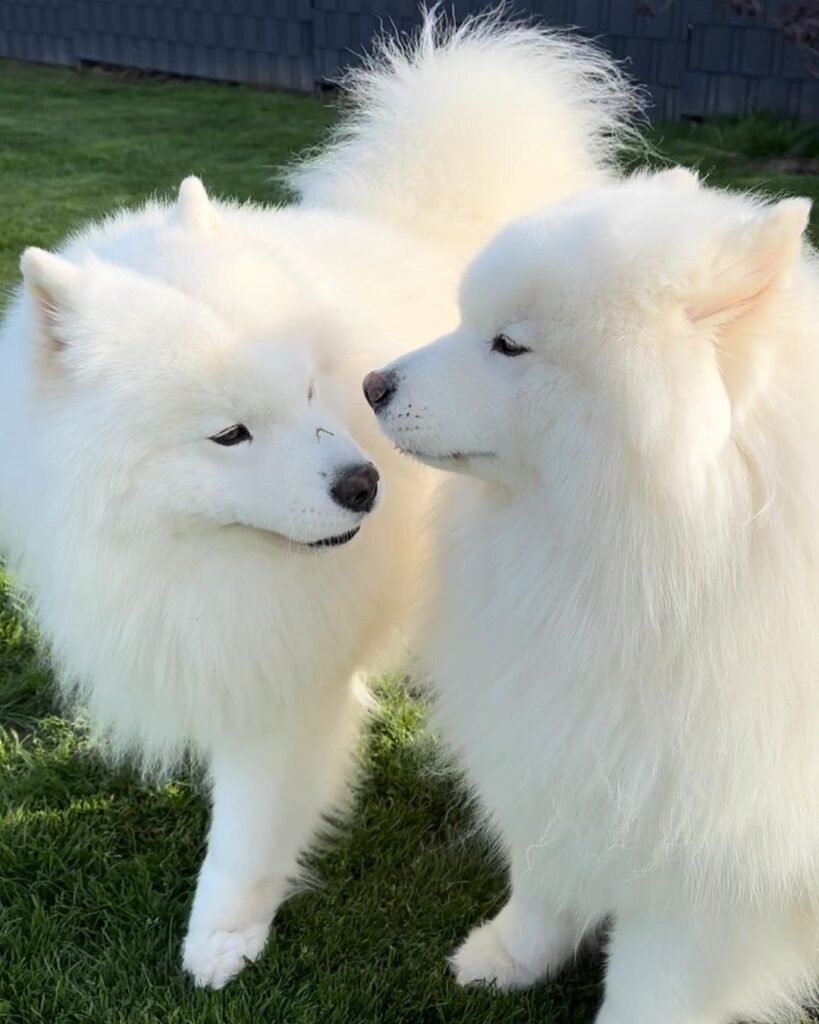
x: 623, y: 631
x: 190, y: 481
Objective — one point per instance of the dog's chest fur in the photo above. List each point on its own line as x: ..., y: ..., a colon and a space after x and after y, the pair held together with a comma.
x: 612, y: 770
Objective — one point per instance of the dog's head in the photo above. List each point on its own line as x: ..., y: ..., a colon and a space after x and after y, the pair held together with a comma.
x: 635, y: 326
x: 158, y: 408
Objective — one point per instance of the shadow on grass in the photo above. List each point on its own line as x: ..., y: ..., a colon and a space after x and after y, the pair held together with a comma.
x: 98, y: 868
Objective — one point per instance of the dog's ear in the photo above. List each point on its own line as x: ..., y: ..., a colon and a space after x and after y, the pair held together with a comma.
x: 750, y: 262
x: 679, y: 178
x: 51, y: 283
x: 194, y: 211
x: 731, y: 295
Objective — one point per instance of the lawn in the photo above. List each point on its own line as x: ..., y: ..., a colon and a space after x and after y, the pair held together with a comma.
x: 97, y: 867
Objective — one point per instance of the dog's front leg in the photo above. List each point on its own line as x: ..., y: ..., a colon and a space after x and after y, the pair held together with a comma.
x: 682, y: 970
x: 527, y: 941
x: 517, y: 948
x: 269, y: 792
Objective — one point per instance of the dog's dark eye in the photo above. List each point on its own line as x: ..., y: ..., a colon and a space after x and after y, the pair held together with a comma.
x: 507, y: 347
x: 233, y: 435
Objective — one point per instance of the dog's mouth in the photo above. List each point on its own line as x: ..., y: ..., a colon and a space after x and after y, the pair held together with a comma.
x: 450, y: 458
x: 334, y: 542
x: 337, y: 540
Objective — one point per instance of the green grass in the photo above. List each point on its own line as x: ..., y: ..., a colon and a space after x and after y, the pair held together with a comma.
x: 749, y: 154
x: 96, y: 867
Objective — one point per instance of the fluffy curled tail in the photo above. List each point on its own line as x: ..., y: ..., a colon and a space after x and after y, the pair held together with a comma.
x: 458, y: 130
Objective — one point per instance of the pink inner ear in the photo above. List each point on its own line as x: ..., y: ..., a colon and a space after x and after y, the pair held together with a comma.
x: 48, y: 321
x: 759, y: 255
x: 733, y: 300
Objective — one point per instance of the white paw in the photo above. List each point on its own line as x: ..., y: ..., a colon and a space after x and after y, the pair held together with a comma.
x: 482, y: 959
x: 214, y: 957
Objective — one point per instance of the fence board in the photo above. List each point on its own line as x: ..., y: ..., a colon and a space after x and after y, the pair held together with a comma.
x: 696, y: 56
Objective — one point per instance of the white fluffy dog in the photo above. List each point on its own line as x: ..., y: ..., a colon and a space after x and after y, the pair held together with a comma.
x: 186, y: 454
x: 625, y: 629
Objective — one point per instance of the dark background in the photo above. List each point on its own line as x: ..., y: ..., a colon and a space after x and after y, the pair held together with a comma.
x: 699, y: 57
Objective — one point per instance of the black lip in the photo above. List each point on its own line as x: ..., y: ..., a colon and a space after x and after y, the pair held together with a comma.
x: 450, y: 457
x: 334, y: 542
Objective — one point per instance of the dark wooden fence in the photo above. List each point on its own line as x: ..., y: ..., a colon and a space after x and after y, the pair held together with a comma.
x: 697, y: 57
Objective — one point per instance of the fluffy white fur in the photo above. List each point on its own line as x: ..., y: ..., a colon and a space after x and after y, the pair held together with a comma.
x: 624, y: 628
x: 453, y: 135
x: 170, y: 574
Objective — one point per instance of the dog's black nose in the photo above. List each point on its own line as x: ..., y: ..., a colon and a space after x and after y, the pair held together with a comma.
x: 355, y: 487
x: 379, y: 388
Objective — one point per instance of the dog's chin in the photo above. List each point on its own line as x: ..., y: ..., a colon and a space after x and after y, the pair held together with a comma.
x: 451, y: 462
